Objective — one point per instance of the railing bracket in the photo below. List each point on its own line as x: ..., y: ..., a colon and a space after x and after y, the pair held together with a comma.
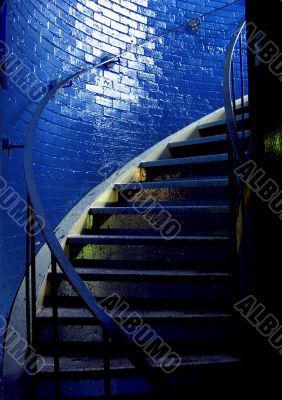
x: 109, y: 61
x: 55, y: 82
x: 6, y: 145
x: 194, y: 24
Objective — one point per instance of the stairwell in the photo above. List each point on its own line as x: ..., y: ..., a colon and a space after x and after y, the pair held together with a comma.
x: 182, y: 286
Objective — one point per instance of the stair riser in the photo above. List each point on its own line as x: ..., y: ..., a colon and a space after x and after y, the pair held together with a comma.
x: 145, y: 396
x: 186, y: 171
x: 200, y: 149
x: 215, y: 376
x: 156, y: 290
x: 173, y: 334
x: 196, y: 223
x: 87, y: 388
x: 178, y: 253
x: 157, y: 266
x: 223, y: 129
x: 210, y: 148
x: 74, y: 349
x: 212, y: 305
x: 178, y: 194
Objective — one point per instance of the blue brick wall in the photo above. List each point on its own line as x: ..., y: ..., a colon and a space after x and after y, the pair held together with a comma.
x: 108, y: 114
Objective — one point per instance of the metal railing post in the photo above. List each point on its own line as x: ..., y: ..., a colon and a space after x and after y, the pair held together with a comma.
x: 107, y: 364
x: 55, y: 315
x: 27, y: 281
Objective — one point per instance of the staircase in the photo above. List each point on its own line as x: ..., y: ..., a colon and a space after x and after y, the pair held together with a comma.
x: 137, y: 302
x: 180, y: 282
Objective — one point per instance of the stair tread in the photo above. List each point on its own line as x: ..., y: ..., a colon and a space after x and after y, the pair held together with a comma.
x: 146, y: 273
x: 173, y: 209
x: 144, y: 232
x: 181, y: 183
x: 137, y: 396
x: 202, y: 140
x: 138, y: 239
x: 127, y: 396
x: 199, y: 140
x: 147, y: 303
x: 169, y: 203
x: 82, y: 364
x: 222, y: 122
x: 82, y: 313
x: 141, y: 264
x: 185, y: 161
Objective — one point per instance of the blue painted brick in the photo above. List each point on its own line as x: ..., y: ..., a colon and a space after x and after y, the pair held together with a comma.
x: 104, y: 101
x: 112, y: 15
x: 119, y: 27
x: 121, y: 105
x: 102, y: 19
x: 140, y: 100
x: 136, y: 65
x: 106, y: 3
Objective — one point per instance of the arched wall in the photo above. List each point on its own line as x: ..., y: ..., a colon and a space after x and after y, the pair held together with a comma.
x: 111, y: 114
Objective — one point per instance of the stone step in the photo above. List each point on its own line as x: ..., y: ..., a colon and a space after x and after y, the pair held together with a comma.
x: 190, y: 190
x: 186, y: 167
x: 214, y: 144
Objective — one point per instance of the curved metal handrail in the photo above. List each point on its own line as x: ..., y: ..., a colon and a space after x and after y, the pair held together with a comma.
x: 228, y: 101
x: 134, y: 354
